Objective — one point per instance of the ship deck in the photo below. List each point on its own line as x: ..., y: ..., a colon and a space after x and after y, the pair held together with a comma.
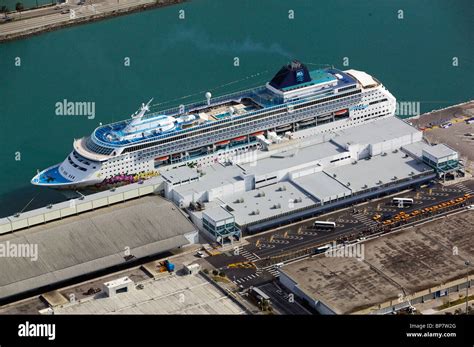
x: 50, y: 176
x: 217, y: 111
x: 244, y: 104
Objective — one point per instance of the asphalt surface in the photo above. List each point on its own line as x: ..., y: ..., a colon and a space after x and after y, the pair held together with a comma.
x: 59, y: 15
x: 351, y: 224
x: 282, y: 301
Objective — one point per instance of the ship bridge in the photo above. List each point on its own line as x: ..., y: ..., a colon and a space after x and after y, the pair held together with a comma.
x: 294, y: 81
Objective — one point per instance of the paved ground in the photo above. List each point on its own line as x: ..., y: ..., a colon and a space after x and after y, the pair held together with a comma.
x: 41, y: 19
x: 399, y: 264
x: 431, y: 307
x: 460, y: 136
x: 282, y: 301
x: 350, y: 224
x: 436, y: 118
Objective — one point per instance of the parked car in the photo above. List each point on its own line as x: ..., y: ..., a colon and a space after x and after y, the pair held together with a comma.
x: 200, y: 254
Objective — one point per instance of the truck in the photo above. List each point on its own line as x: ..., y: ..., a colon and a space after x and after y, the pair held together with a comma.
x: 169, y: 266
x: 166, y: 265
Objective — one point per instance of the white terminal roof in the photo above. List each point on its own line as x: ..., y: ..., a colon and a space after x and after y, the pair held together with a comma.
x: 213, y: 177
x: 373, y: 132
x: 378, y: 168
x: 322, y: 186
x: 217, y: 214
x: 439, y: 151
x: 364, y: 78
x: 292, y: 158
x: 180, y: 174
x: 416, y: 148
x: 278, y: 198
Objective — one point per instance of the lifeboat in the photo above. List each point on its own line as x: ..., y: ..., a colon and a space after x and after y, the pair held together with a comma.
x: 341, y: 112
x: 223, y: 143
x: 162, y: 158
x: 284, y: 128
x: 240, y: 138
x: 306, y: 121
x: 258, y: 133
x: 325, y: 116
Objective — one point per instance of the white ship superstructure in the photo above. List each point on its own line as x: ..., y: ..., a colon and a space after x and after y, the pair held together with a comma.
x: 296, y: 103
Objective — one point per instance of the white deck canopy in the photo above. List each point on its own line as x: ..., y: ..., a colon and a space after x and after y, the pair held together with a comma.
x: 364, y: 79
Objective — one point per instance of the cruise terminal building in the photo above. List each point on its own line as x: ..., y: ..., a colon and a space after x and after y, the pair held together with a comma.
x: 296, y: 178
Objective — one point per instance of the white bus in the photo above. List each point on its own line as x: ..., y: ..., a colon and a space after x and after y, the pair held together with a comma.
x: 402, y: 202
x: 324, y: 225
x: 322, y: 249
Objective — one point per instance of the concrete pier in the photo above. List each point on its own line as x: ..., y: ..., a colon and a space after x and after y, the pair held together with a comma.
x: 36, y: 21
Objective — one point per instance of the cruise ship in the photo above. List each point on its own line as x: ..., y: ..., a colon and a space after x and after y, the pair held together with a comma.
x: 296, y: 102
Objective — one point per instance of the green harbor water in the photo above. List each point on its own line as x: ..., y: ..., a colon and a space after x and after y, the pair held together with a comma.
x: 11, y: 4
x: 172, y: 57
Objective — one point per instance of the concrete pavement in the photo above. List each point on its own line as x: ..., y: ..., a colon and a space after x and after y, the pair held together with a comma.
x: 46, y: 19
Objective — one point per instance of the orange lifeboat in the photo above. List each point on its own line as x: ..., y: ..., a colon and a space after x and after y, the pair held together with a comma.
x: 341, y: 112
x: 222, y: 143
x: 162, y: 158
x: 240, y: 138
x: 258, y: 133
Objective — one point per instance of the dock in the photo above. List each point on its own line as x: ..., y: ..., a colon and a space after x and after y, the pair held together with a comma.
x: 48, y: 18
x: 87, y: 243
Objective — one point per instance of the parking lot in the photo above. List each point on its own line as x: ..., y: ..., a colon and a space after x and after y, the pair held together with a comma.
x: 354, y: 223
x: 459, y: 136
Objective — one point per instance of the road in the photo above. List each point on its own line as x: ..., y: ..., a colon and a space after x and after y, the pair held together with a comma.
x: 284, y: 302
x: 38, y: 20
x: 351, y: 224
